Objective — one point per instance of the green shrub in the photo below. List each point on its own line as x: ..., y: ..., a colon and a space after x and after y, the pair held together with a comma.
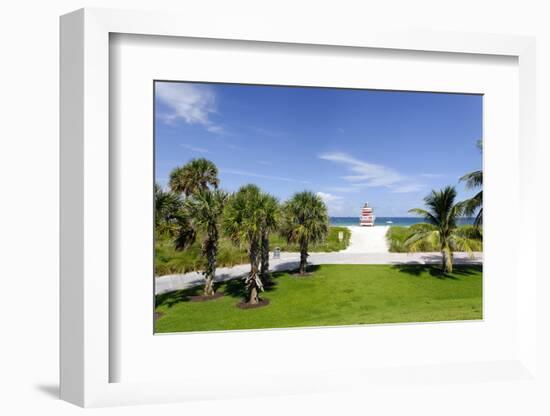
x: 170, y: 261
x: 397, y: 235
x: 332, y: 243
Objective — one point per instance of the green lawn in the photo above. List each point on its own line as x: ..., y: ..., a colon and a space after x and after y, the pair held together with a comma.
x: 170, y: 261
x: 334, y: 295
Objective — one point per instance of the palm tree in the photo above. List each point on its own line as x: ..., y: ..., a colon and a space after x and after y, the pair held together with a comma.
x: 474, y: 180
x: 195, y: 176
x: 270, y: 222
x: 243, y: 223
x: 167, y: 205
x: 305, y: 221
x: 201, y: 215
x: 441, y: 230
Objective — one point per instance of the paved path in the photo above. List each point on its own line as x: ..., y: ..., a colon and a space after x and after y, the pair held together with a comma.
x: 289, y: 261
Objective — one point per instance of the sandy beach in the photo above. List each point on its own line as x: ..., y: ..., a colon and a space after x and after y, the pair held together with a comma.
x: 368, y: 239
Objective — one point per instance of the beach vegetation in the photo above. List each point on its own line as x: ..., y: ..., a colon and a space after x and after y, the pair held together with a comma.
x: 167, y: 205
x: 196, y: 175
x: 474, y: 205
x: 243, y: 223
x: 168, y: 260
x: 331, y: 243
x: 271, y: 217
x: 398, y: 234
x: 201, y: 215
x: 305, y: 221
x: 441, y: 230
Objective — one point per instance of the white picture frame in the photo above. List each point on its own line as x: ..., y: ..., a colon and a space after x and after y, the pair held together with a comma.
x: 86, y: 353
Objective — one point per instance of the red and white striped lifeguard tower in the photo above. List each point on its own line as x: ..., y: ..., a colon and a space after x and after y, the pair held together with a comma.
x: 367, y: 216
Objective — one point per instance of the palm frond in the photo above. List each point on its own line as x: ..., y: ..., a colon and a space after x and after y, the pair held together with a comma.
x: 186, y: 235
x: 425, y: 214
x: 305, y: 218
x: 473, y: 179
x: 422, y: 237
x: 464, y: 243
x: 195, y: 176
x: 479, y: 218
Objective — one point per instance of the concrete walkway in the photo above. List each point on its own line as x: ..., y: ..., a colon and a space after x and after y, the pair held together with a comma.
x: 290, y: 261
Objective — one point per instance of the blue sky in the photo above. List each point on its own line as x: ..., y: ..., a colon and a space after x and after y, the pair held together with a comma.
x: 349, y: 146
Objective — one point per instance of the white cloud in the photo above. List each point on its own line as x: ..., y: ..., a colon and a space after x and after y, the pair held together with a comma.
x: 335, y: 203
x: 365, y: 174
x: 195, y: 149
x: 369, y: 174
x: 327, y: 197
x: 191, y: 103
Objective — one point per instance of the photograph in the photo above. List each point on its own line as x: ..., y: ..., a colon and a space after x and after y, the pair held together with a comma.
x: 295, y: 207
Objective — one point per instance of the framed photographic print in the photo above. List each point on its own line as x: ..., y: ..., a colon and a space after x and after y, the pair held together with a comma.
x: 261, y: 201
x: 331, y: 205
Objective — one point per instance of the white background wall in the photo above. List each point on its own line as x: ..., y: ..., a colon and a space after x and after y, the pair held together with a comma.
x: 29, y: 177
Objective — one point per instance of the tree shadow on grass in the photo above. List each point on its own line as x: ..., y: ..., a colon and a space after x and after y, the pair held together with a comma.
x: 169, y: 299
x: 310, y: 271
x: 435, y: 270
x: 237, y: 287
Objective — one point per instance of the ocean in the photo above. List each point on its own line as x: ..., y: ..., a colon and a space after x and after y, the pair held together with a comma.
x: 402, y: 221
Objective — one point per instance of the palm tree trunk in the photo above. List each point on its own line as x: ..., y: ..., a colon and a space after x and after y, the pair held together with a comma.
x: 447, y: 260
x: 211, y: 249
x: 450, y: 262
x: 253, y: 296
x: 264, y: 270
x: 253, y: 281
x: 303, y: 257
x: 209, y: 287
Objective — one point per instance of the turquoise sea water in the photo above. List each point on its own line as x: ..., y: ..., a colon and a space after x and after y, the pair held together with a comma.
x: 403, y: 221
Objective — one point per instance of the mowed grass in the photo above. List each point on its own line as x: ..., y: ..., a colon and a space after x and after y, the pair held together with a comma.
x: 333, y: 295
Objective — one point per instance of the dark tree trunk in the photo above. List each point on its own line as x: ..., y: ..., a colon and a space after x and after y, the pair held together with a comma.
x: 264, y: 269
x: 303, y: 257
x: 253, y: 282
x: 211, y: 251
